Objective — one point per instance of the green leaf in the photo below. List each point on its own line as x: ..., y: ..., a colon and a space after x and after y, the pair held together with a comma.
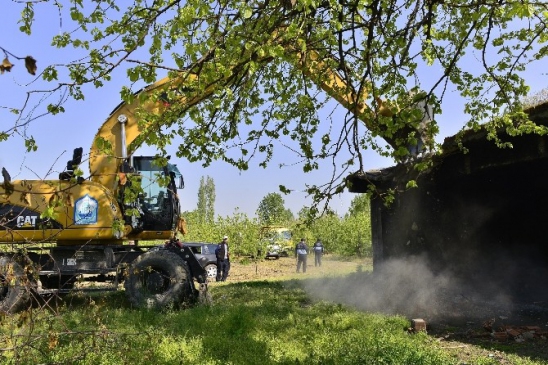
x: 247, y: 13
x: 411, y: 184
x: 30, y: 144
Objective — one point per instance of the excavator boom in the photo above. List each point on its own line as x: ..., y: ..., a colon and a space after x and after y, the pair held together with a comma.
x: 105, y: 166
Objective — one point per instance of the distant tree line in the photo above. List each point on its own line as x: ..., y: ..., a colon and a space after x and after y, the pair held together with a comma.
x: 347, y: 235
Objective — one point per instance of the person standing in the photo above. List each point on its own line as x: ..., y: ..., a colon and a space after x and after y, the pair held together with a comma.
x: 318, y: 252
x: 223, y: 260
x: 301, y: 253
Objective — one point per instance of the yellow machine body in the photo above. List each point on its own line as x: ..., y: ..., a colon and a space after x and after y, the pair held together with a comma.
x: 64, y: 212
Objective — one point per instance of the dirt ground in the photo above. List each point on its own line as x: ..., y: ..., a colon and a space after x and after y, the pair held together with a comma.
x: 284, y: 268
x: 468, y: 328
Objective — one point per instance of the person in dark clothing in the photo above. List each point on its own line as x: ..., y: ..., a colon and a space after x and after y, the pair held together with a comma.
x: 223, y: 260
x: 301, y: 253
x: 318, y: 253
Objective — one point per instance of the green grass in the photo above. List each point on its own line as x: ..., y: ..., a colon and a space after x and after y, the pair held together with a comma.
x: 256, y: 322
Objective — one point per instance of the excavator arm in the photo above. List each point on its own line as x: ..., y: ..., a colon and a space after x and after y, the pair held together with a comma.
x: 123, y: 127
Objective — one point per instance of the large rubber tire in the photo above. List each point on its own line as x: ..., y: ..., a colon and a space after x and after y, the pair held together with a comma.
x: 159, y: 280
x: 211, y: 271
x: 14, y: 293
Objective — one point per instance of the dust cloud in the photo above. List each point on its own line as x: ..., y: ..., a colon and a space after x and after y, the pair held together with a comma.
x: 408, y: 287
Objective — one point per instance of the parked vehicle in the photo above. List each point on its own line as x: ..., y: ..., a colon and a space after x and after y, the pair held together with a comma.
x: 278, y: 241
x: 205, y: 253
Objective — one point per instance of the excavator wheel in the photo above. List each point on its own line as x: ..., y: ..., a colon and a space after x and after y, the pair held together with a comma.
x: 14, y: 293
x: 159, y: 280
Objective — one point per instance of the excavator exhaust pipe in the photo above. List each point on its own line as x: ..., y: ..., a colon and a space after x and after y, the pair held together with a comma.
x: 122, y: 119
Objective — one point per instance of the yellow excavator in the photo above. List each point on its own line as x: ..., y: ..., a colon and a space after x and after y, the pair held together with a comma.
x: 62, y: 232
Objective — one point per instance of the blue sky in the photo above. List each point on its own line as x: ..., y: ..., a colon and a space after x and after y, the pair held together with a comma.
x: 58, y: 135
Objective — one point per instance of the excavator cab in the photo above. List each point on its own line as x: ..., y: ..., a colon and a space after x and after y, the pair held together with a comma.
x: 159, y: 205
